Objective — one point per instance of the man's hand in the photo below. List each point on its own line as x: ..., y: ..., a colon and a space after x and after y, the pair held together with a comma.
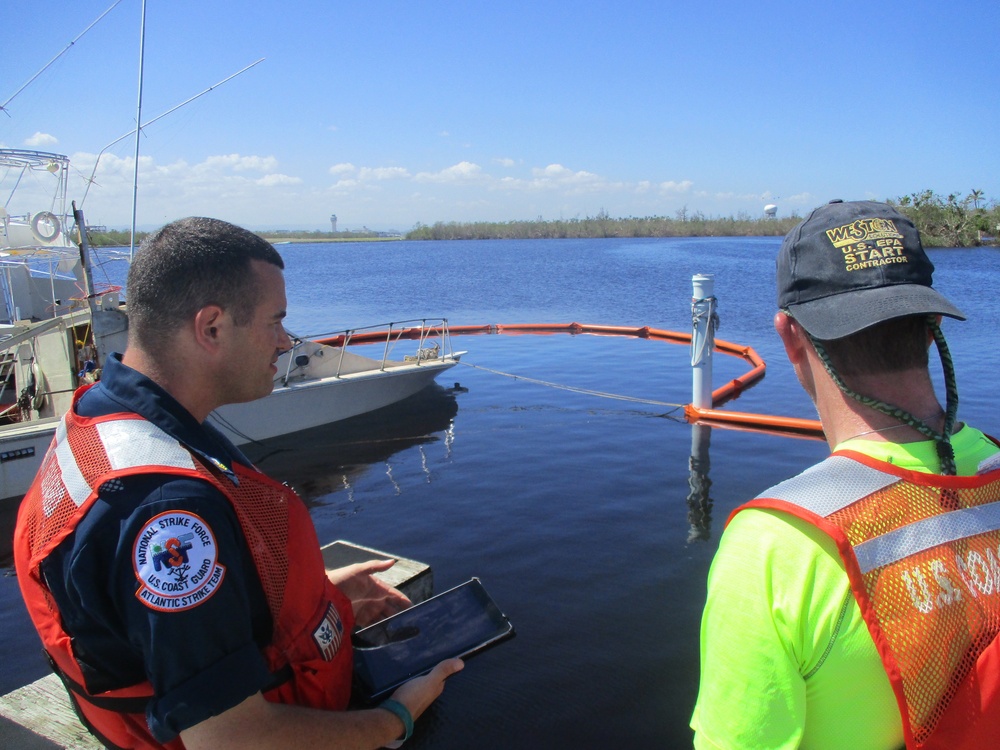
x: 371, y: 598
x: 421, y: 692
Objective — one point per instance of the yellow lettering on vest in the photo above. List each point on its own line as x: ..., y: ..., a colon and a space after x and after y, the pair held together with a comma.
x: 921, y: 599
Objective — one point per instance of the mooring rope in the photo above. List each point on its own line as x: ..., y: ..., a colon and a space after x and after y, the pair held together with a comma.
x: 703, y: 309
x: 572, y: 388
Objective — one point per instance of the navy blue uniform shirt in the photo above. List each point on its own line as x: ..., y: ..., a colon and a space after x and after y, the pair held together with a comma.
x: 201, y: 660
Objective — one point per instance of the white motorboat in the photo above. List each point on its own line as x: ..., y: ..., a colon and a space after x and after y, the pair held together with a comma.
x: 322, y: 381
x: 61, y: 328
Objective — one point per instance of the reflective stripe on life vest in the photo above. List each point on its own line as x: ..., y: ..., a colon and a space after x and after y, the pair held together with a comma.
x: 128, y: 444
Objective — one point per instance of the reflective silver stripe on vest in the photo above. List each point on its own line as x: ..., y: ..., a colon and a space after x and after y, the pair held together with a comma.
x: 137, y: 442
x: 921, y: 535
x: 128, y: 443
x: 72, y: 478
x: 830, y: 485
x: 835, y: 483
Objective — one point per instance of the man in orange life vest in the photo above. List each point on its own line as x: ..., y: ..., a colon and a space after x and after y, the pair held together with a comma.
x: 180, y: 593
x: 857, y: 605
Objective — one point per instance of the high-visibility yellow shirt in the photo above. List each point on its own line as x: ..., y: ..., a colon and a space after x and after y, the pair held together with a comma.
x: 786, y: 657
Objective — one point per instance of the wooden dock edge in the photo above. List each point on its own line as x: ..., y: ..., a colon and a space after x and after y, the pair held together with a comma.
x: 39, y: 716
x: 415, y: 579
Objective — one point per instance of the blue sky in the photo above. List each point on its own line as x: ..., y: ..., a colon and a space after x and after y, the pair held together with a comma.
x: 393, y: 113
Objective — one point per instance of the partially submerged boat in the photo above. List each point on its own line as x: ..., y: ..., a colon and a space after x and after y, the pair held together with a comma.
x: 323, y: 381
x: 60, y: 326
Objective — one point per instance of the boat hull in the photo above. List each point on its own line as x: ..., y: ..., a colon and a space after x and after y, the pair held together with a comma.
x: 302, y: 406
x: 21, y: 450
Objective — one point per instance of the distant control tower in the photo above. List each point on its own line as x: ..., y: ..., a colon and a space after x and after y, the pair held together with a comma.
x: 333, y: 223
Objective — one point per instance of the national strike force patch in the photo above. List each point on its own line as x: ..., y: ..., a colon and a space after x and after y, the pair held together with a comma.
x: 175, y: 558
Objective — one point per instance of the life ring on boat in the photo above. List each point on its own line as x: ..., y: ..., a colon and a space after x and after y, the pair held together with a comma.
x: 45, y: 226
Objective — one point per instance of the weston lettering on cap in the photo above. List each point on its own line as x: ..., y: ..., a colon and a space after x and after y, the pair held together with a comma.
x: 868, y: 243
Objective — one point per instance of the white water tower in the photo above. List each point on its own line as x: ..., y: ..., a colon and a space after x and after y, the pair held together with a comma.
x: 770, y: 210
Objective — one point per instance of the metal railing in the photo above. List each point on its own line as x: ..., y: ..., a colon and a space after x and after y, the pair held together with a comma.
x: 431, y: 334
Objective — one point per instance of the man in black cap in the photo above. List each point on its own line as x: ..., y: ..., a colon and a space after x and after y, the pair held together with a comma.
x: 857, y: 605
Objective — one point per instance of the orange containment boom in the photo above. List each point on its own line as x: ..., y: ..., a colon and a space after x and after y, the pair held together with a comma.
x: 792, y: 426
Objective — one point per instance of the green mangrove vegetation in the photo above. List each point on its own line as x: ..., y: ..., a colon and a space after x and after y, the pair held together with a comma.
x: 602, y: 225
x: 943, y: 221
x: 952, y: 220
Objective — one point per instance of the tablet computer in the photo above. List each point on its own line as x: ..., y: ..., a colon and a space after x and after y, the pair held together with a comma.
x: 461, y: 622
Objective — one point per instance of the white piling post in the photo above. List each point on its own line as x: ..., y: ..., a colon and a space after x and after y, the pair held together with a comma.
x: 702, y: 339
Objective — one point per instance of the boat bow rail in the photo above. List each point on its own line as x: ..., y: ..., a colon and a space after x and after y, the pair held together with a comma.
x: 328, y: 354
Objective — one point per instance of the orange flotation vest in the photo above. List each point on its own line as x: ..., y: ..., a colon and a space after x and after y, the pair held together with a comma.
x: 922, y: 552
x: 310, y: 644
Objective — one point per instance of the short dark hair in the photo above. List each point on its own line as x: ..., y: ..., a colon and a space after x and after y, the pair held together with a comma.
x: 187, y: 265
x: 892, y: 346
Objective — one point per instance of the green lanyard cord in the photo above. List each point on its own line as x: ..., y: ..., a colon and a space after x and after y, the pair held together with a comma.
x: 946, y: 453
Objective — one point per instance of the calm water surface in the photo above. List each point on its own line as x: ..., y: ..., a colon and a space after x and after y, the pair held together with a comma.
x: 576, y: 511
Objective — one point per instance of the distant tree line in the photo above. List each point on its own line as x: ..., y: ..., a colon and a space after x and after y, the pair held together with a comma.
x: 944, y: 221
x: 120, y: 238
x: 951, y: 221
x: 114, y: 238
x: 682, y: 224
x: 296, y: 235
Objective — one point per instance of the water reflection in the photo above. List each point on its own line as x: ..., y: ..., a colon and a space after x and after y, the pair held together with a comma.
x: 699, y: 500
x: 329, y: 459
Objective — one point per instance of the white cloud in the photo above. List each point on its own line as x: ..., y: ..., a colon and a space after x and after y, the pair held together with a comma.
x: 676, y: 187
x: 242, y: 163
x: 557, y: 178
x: 278, y: 179
x: 382, y: 173
x: 802, y: 199
x: 41, y: 139
x: 464, y: 171
x: 251, y: 190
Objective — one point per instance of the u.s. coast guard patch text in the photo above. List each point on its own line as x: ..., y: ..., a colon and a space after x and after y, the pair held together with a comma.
x: 175, y: 558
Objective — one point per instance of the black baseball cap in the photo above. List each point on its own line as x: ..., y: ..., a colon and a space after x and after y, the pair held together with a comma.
x: 848, y: 266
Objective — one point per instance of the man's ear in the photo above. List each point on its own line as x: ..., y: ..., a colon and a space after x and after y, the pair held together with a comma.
x: 208, y: 322
x: 793, y: 336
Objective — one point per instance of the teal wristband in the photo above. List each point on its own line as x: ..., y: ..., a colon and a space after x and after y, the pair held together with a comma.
x: 397, y: 708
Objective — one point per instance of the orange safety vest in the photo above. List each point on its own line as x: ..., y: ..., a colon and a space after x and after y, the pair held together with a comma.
x: 310, y: 644
x: 922, y: 552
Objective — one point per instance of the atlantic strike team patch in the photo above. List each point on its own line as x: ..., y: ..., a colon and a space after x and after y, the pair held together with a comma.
x: 330, y: 633
x: 175, y: 558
